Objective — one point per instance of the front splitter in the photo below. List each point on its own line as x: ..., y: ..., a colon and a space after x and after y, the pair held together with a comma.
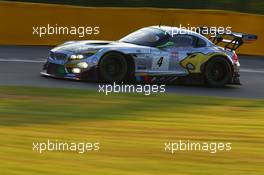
x: 67, y: 77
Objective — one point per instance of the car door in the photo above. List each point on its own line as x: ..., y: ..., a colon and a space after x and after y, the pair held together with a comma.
x: 160, y: 60
x: 166, y: 59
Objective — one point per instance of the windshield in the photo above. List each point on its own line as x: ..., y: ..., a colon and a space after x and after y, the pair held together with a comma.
x: 146, y: 37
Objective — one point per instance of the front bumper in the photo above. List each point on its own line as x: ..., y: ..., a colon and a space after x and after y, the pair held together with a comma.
x: 62, y: 72
x: 45, y: 74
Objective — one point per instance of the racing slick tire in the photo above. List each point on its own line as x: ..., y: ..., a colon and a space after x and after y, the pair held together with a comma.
x: 113, y: 67
x: 218, y: 72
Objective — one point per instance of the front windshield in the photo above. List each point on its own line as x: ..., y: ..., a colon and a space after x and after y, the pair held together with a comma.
x: 146, y: 37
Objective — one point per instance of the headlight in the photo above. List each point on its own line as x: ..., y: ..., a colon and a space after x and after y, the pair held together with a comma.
x: 76, y: 57
x: 79, y: 57
x: 76, y: 70
x: 73, y: 57
x: 83, y: 55
x: 82, y: 65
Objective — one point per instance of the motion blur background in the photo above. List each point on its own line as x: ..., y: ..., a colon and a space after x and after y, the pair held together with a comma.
x: 118, y: 18
x: 248, y: 6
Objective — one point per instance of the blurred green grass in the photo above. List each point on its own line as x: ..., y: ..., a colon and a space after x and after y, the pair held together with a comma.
x: 131, y: 128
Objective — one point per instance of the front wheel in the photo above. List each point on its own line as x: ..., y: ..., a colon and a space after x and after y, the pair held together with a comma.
x: 218, y: 72
x: 113, y: 68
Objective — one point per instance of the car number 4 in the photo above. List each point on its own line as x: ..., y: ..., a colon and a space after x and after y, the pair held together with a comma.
x: 160, y: 63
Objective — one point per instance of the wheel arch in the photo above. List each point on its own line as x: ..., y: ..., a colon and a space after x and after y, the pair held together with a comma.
x: 214, y: 56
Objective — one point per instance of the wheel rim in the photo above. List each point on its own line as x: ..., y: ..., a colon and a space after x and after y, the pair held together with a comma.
x: 113, y: 67
x: 218, y: 72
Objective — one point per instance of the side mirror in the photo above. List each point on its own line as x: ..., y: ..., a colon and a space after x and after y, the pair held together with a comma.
x: 166, y: 45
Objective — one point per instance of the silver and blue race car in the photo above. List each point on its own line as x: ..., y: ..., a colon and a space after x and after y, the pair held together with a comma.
x: 156, y: 54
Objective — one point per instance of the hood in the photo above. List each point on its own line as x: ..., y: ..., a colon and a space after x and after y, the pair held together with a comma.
x: 84, y: 46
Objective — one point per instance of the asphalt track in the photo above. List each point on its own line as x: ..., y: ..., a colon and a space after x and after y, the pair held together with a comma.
x: 20, y: 65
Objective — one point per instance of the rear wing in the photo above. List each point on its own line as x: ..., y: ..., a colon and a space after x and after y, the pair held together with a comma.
x: 231, y: 40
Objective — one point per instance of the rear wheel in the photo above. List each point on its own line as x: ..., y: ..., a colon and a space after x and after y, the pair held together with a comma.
x: 113, y: 68
x: 218, y: 72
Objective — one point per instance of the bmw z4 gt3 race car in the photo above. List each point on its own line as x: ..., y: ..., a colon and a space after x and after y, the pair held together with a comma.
x: 151, y: 55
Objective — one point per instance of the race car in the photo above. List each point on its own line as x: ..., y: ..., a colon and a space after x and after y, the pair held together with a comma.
x: 156, y: 54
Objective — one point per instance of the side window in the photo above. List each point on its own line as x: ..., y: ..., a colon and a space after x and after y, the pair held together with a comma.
x: 199, y: 42
x: 183, y: 40
x: 187, y: 41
